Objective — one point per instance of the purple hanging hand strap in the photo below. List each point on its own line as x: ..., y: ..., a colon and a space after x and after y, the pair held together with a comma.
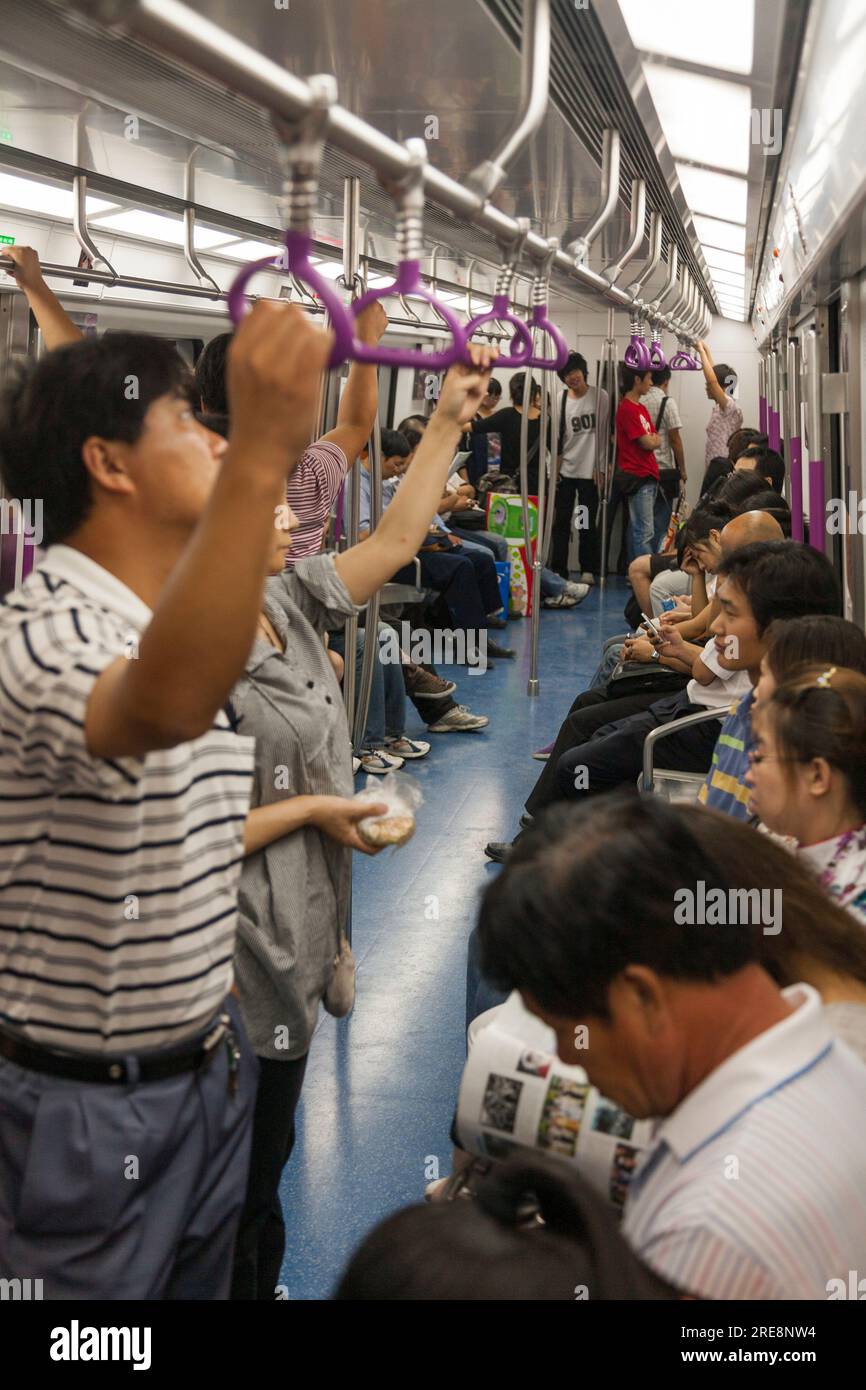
x: 520, y: 348
x: 408, y: 282
x: 297, y: 261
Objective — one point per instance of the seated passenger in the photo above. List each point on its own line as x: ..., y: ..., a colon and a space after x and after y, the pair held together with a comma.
x: 624, y: 924
x: 594, y: 753
x: 495, y: 1248
x: 808, y: 775
x: 766, y: 462
x: 463, y: 573
x: 789, y: 645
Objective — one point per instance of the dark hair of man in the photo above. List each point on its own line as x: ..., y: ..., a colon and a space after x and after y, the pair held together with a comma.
x: 413, y: 439
x: 814, y: 715
x: 494, y: 387
x: 737, y: 488
x: 210, y: 375
x: 575, y: 362
x: 716, y: 471
x: 813, y: 926
x: 768, y: 464
x: 629, y: 376
x: 418, y: 423
x: 726, y: 377
x: 488, y: 1249
x: 740, y: 440
x: 770, y: 502
x: 589, y: 892
x: 804, y: 641
x: 397, y: 445
x: 218, y: 424
x: 782, y: 579
x: 515, y: 388
x: 712, y: 516
x: 661, y: 376
x: 98, y: 386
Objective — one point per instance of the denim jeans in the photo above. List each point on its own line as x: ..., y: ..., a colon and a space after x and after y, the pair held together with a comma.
x: 641, y: 505
x: 387, y: 712
x: 552, y: 585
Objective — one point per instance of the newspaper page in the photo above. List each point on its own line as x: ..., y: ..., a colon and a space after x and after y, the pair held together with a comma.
x: 516, y: 1097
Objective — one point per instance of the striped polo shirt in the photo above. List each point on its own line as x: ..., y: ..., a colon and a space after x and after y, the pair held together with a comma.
x: 725, y: 787
x: 311, y: 493
x: 118, y: 877
x: 755, y: 1186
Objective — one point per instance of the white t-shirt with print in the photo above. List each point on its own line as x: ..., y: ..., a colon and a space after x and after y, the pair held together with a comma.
x: 582, y: 418
x: 727, y: 689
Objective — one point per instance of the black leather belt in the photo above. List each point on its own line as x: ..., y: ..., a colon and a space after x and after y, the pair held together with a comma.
x: 115, y: 1071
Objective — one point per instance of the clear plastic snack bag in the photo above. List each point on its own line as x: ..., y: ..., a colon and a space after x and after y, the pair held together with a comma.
x: 402, y: 796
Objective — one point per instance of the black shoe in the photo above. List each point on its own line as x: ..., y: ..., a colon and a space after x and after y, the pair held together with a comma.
x: 497, y: 622
x: 498, y: 851
x: 494, y: 649
x: 527, y: 821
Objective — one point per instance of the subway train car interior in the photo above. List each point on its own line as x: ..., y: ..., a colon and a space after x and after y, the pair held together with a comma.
x: 432, y: 655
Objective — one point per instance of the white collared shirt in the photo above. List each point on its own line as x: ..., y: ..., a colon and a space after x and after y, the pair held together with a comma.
x: 755, y: 1186
x: 118, y: 877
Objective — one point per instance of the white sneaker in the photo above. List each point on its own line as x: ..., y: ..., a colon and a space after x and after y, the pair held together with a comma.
x: 356, y: 763
x: 577, y: 591
x: 563, y: 600
x: 587, y: 578
x: 459, y: 720
x: 404, y: 747
x: 380, y: 762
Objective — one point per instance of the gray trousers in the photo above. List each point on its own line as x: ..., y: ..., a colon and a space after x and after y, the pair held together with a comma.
x: 125, y: 1192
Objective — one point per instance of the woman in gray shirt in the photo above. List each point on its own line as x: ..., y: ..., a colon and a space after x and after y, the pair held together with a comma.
x: 294, y: 886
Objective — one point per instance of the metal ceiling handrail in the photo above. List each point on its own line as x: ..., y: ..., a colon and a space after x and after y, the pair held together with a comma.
x: 79, y: 198
x: 181, y: 32
x: 189, y: 250
x: 487, y: 177
x: 610, y: 160
x: 612, y: 272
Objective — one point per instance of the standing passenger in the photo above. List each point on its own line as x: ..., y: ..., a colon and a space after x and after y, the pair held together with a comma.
x: 726, y: 416
x: 665, y: 415
x: 126, y: 1086
x: 583, y: 413
x: 637, y: 469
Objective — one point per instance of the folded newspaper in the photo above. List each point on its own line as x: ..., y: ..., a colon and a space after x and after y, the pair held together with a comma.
x: 515, y: 1097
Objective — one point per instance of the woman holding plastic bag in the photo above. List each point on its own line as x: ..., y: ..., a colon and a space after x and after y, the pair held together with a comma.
x: 304, y: 823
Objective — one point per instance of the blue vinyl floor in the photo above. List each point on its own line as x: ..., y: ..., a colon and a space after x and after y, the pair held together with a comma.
x: 380, y: 1088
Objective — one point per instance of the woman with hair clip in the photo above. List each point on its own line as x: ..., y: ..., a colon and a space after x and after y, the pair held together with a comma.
x: 808, y: 775
x: 819, y: 944
x: 495, y: 1248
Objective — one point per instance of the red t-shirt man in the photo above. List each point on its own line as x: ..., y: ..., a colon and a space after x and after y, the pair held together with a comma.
x: 632, y: 424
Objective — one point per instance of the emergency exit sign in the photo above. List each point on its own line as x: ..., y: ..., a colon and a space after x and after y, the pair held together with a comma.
x: 7, y: 241
x: 6, y: 135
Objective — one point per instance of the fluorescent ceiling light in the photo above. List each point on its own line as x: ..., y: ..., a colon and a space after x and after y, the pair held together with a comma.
x: 703, y: 118
x: 377, y: 281
x: 679, y: 29
x: 29, y: 195
x: 728, y: 236
x: 330, y: 270
x: 728, y: 277
x: 724, y: 260
x: 157, y: 227
x: 252, y: 250
x: 717, y: 195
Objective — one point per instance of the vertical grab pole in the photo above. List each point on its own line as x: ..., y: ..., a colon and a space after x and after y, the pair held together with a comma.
x: 817, y: 533
x: 371, y: 629
x: 352, y: 485
x: 534, y: 687
x: 524, y: 493
x: 773, y: 399
x: 795, y: 443
x: 782, y: 396
x: 762, y: 395
x: 609, y: 359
